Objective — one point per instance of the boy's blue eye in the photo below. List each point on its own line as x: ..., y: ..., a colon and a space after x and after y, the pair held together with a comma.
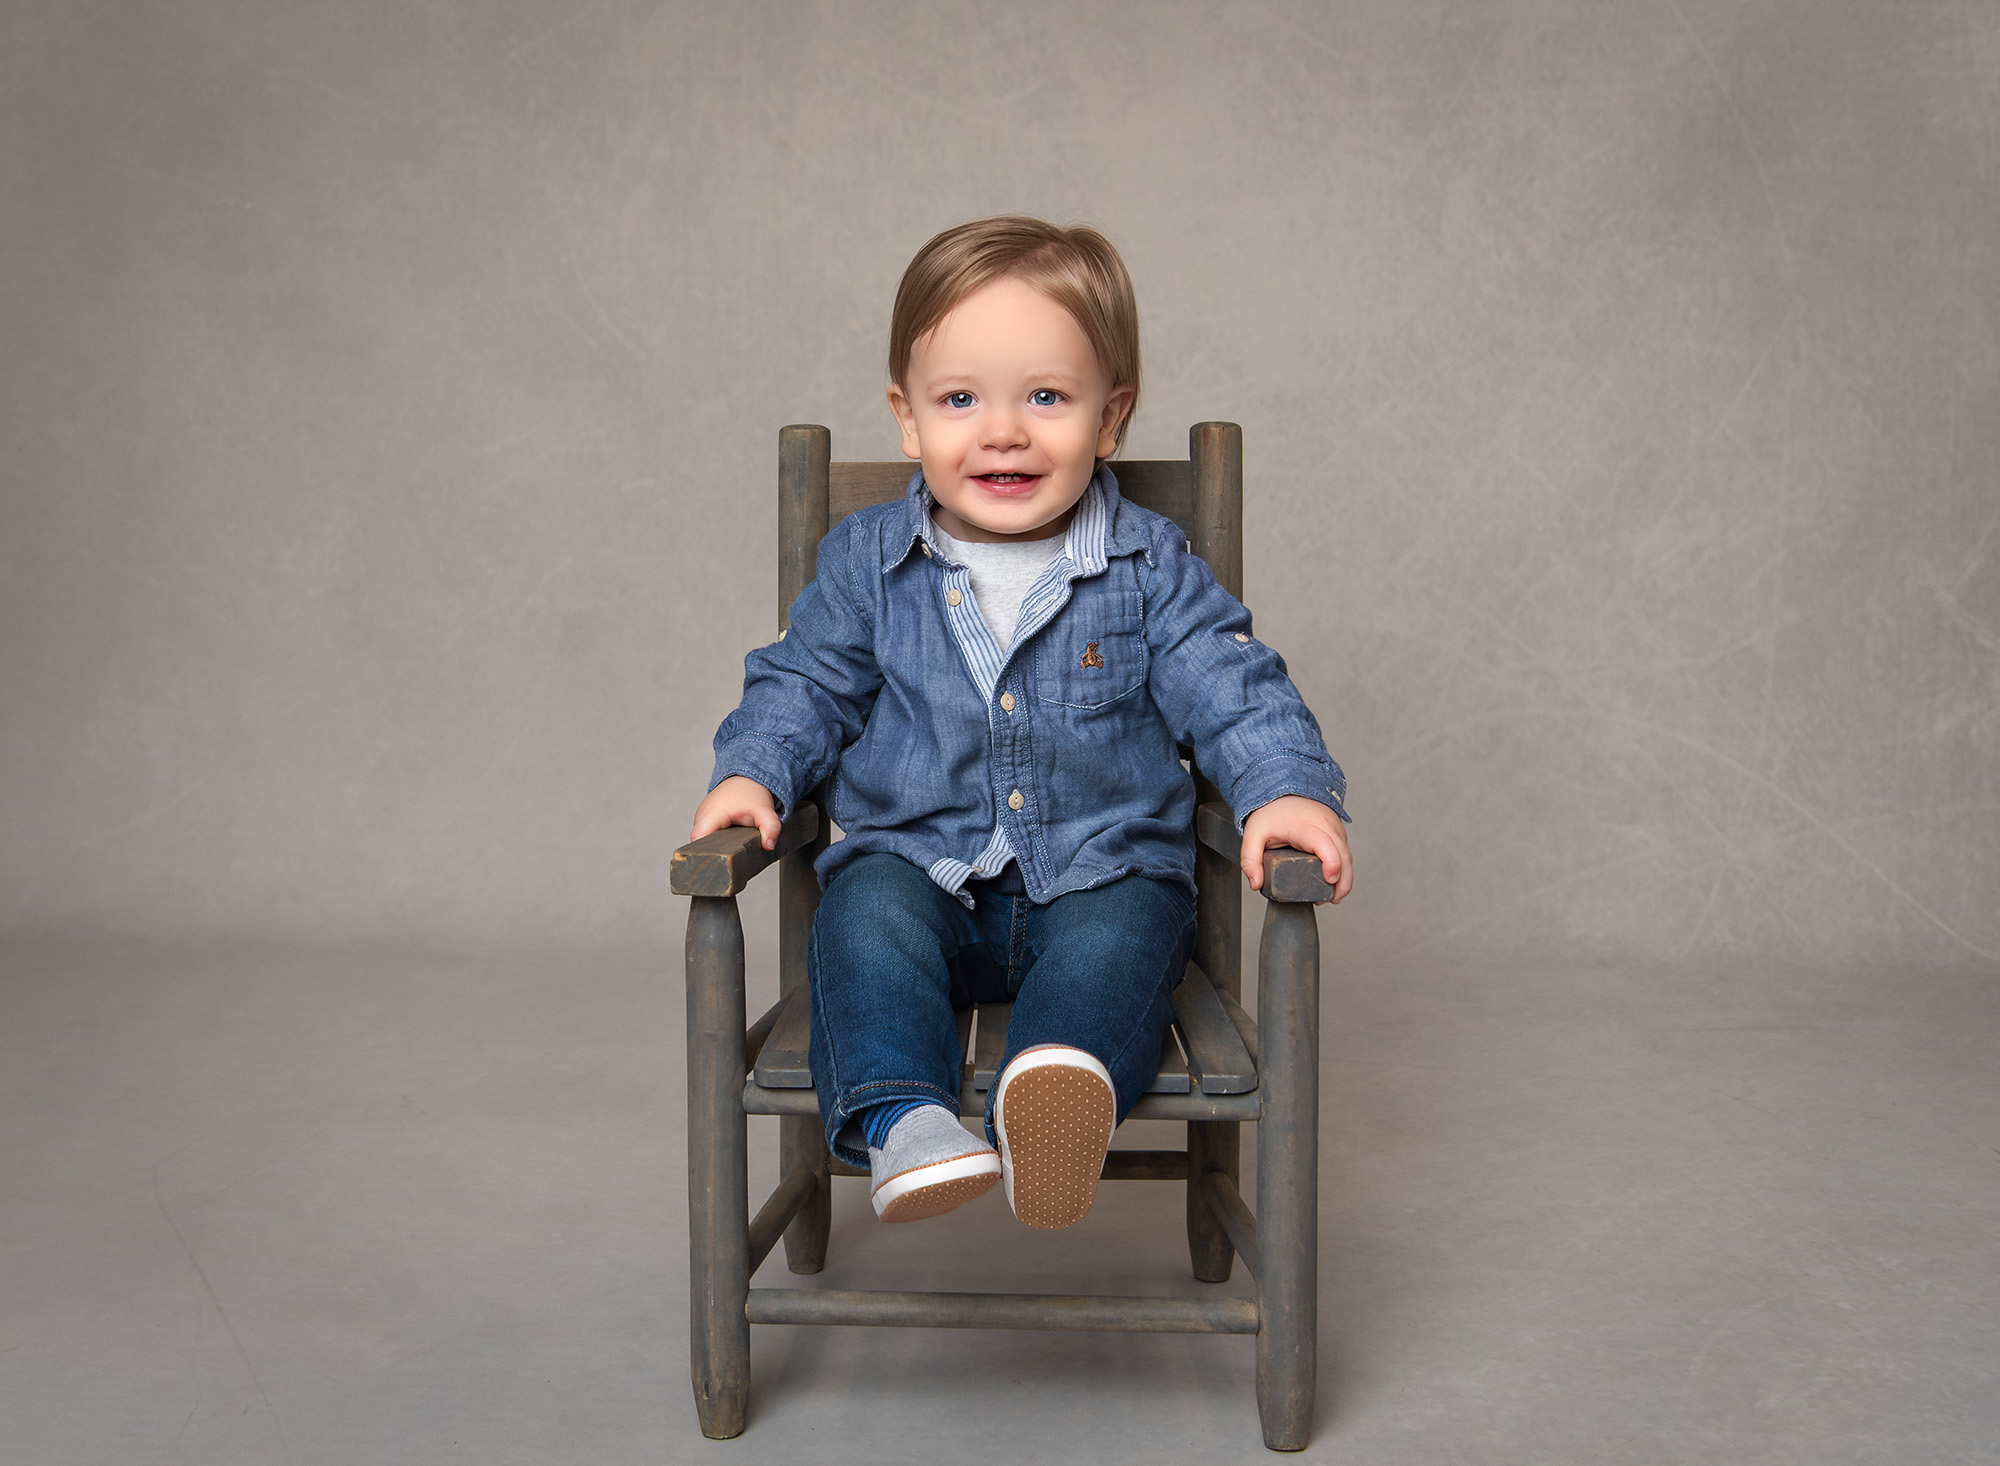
x: 958, y: 399
x: 1045, y: 397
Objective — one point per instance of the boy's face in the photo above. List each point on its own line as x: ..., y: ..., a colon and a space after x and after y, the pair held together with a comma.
x: 1009, y: 412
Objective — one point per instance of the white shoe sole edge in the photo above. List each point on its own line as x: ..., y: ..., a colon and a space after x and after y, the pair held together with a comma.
x: 1023, y: 1063
x: 980, y: 1163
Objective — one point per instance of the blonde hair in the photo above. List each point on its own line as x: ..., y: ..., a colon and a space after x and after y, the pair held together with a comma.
x: 1076, y: 268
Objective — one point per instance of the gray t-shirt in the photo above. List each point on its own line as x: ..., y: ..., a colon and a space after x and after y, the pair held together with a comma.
x: 1001, y: 575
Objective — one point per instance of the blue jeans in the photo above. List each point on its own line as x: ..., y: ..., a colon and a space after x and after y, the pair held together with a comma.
x: 893, y: 956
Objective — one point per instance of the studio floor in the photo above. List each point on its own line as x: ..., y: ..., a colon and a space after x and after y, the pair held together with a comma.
x: 370, y: 1205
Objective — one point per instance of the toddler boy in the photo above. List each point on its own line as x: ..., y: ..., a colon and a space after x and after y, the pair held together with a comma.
x: 995, y: 671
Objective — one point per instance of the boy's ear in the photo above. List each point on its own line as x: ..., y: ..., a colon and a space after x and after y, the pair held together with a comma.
x: 1115, y: 408
x: 906, y: 418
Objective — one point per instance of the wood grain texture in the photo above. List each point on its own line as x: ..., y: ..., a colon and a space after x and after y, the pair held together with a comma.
x: 723, y: 864
x: 802, y: 1141
x: 718, y: 1183
x: 781, y: 1062
x: 1246, y: 1026
x: 1145, y: 1165
x: 759, y: 1033
x: 1218, y: 952
x: 1287, y: 1257
x: 1216, y: 1057
x: 1221, y: 1196
x: 887, y: 1309
x: 1215, y: 524
x: 804, y: 452
x: 778, y: 1210
x: 990, y: 1043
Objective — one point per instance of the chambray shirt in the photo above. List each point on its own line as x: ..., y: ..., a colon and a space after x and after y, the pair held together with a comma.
x: 1058, y: 752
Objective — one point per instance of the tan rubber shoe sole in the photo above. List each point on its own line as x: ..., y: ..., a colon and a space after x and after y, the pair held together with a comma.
x: 933, y: 1190
x: 1055, y: 1121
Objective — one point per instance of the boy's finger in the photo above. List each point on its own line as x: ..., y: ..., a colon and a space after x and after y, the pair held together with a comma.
x: 769, y: 826
x: 1319, y: 843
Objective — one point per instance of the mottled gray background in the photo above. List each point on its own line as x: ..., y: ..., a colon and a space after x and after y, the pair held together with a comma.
x: 389, y: 398
x: 391, y: 394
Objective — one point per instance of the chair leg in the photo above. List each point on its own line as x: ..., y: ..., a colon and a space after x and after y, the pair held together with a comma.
x: 801, y: 1138
x: 1288, y: 1175
x: 1211, y: 1146
x: 802, y: 1141
x: 718, y: 1169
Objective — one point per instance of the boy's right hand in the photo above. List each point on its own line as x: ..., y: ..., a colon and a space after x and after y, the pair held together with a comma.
x: 739, y: 801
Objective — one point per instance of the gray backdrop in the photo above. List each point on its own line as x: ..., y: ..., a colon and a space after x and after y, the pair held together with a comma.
x: 391, y: 395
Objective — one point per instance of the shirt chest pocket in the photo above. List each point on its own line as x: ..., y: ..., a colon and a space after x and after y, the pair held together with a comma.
x: 1094, y: 653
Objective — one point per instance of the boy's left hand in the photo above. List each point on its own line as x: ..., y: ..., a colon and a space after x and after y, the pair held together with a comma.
x: 1305, y: 824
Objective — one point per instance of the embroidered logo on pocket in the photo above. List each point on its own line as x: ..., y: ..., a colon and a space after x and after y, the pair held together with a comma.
x: 1090, y: 656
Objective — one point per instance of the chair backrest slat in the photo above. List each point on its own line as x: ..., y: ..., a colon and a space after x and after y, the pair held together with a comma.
x: 1202, y: 494
x: 1163, y: 485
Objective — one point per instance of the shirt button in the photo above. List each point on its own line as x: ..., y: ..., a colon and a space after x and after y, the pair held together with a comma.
x: 1241, y: 637
x: 1006, y: 702
x: 952, y: 598
x: 1014, y: 800
x: 927, y: 551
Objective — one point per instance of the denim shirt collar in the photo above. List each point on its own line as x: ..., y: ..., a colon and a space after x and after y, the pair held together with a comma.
x: 1098, y: 530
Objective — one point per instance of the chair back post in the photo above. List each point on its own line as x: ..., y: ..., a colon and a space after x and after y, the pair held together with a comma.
x: 1215, y: 450
x: 805, y: 455
x: 805, y: 463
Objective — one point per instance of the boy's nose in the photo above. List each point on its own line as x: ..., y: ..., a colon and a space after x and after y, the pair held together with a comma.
x: 1001, y: 430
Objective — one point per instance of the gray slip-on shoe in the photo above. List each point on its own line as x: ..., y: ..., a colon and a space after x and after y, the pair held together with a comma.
x: 927, y: 1165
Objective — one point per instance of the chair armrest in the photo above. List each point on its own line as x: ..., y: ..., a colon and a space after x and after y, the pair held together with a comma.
x: 1289, y: 875
x: 723, y: 863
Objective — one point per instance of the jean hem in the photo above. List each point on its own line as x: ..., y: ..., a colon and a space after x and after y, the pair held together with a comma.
x: 878, y: 1092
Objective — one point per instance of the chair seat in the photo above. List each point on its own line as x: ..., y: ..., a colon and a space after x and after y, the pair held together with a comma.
x: 1204, y: 1051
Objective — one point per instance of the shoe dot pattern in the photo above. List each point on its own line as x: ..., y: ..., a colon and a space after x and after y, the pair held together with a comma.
x: 935, y: 1200
x: 1058, y: 1127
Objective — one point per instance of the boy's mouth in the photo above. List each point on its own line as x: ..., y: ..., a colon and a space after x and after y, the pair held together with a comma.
x: 1007, y: 483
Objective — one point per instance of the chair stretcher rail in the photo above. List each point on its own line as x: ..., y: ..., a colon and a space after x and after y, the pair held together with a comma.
x: 1227, y: 1203
x: 1096, y: 1312
x: 776, y: 1213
